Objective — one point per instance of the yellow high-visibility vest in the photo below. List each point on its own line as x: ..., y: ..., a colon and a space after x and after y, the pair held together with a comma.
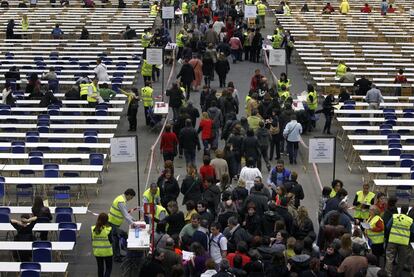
x: 283, y: 94
x: 154, y: 10
x: 146, y: 69
x: 277, y: 41
x: 95, y: 93
x: 400, y: 229
x: 101, y: 246
x: 115, y: 216
x: 340, y: 70
x: 179, y: 40
x: 312, y: 105
x: 281, y: 83
x: 158, y: 210
x: 359, y: 212
x: 146, y: 39
x: 146, y: 96
x: 184, y: 8
x: 261, y: 9
x: 149, y: 198
x: 375, y: 237
x: 25, y: 25
x: 83, y: 89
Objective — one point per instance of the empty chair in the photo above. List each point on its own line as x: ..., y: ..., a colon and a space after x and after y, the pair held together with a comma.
x: 26, y: 173
x: 67, y: 231
x: 4, y: 215
x: 51, y: 170
x: 36, y: 154
x: 32, y: 136
x: 391, y: 122
x: 96, y: 159
x: 385, y: 126
x: 391, y: 141
x: 361, y: 132
x: 43, y: 129
x: 409, y: 141
x: 90, y: 137
x: 17, y: 147
x: 407, y: 156
x: 394, y: 152
x: 54, y: 85
x: 349, y: 102
x: 24, y: 191
x: 61, y: 195
x: 394, y: 136
x: 388, y: 163
x: 42, y: 251
x: 29, y: 270
x: 348, y: 107
x: 101, y: 113
x: 2, y: 188
x: 63, y: 214
x: 385, y: 132
x: 388, y: 110
x: 43, y: 118
x: 408, y: 110
x: 102, y: 106
x: 408, y: 115
x: 404, y: 131
x: 403, y: 192
x: 406, y: 163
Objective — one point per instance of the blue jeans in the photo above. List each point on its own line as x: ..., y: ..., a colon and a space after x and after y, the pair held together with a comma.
x: 292, y: 148
x: 189, y: 156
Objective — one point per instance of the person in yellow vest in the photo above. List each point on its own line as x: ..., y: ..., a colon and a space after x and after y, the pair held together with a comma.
x: 248, y: 2
x: 154, y: 9
x: 146, y: 38
x: 286, y: 9
x: 185, y: 9
x: 148, y: 101
x: 399, y: 233
x: 146, y: 70
x: 276, y: 39
x: 261, y: 14
x: 152, y: 195
x: 375, y: 232
x: 180, y: 40
x: 312, y: 102
x: 283, y: 80
x: 159, y: 213
x: 344, y: 7
x: 25, y: 25
x: 341, y: 69
x: 117, y: 213
x: 336, y: 186
x: 102, y: 245
x: 84, y: 88
x: 93, y: 95
x: 362, y: 201
x: 283, y: 93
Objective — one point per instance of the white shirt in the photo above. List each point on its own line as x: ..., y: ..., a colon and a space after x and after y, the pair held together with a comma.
x: 5, y: 93
x: 217, y: 26
x: 101, y: 73
x: 215, y: 251
x: 248, y: 174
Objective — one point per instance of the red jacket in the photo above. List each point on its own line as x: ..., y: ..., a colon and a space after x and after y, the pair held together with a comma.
x: 206, y: 126
x: 168, y: 142
x: 207, y: 171
x: 366, y: 9
x: 255, y: 81
x: 245, y: 259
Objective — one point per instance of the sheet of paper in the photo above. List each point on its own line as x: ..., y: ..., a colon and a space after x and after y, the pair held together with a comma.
x: 187, y: 255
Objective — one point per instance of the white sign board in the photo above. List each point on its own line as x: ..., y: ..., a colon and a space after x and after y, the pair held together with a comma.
x: 250, y: 11
x: 160, y: 108
x: 277, y: 57
x: 168, y: 12
x: 154, y: 56
x: 321, y: 150
x: 123, y: 149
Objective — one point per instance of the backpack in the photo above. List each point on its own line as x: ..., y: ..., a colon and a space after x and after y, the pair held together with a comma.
x: 216, y: 242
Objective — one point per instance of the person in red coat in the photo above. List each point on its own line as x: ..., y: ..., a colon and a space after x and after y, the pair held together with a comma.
x: 169, y: 144
x: 206, y: 129
x: 207, y: 171
x: 366, y: 8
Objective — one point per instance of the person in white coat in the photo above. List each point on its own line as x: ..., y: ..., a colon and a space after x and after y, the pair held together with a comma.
x: 101, y: 71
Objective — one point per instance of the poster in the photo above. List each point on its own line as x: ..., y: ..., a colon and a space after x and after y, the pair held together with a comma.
x: 160, y: 108
x: 168, y: 12
x: 123, y: 149
x: 321, y: 150
x: 154, y: 56
x: 250, y: 11
x: 277, y: 57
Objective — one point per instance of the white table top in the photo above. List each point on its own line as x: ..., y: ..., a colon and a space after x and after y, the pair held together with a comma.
x: 373, y: 119
x: 62, y: 117
x: 56, y: 135
x: 68, y: 102
x: 380, y: 147
x: 374, y: 128
x: 364, y: 112
x: 375, y: 137
x: 51, y: 181
x: 142, y: 242
x: 27, y: 245
x: 62, y: 167
x: 28, y: 209
x: 63, y: 109
x: 393, y: 182
x: 385, y: 170
x: 62, y: 126
x: 45, y: 267
x: 52, y: 156
x: 60, y: 145
x: 380, y: 158
x: 6, y: 227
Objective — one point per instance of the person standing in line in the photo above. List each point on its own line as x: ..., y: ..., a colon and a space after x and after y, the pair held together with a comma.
x: 189, y: 141
x: 147, y: 98
x: 169, y: 144
x: 222, y: 69
x: 257, y: 42
x: 400, y: 79
x: 197, y: 65
x: 102, y: 245
x: 133, y: 104
x: 327, y: 110
x: 118, y: 212
x: 292, y: 133
x: 187, y: 76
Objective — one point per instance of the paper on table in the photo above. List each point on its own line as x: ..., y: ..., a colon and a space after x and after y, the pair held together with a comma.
x: 187, y: 255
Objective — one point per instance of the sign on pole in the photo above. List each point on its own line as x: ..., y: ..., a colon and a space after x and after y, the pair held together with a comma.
x: 161, y: 108
x: 123, y: 149
x: 277, y: 56
x: 321, y: 150
x: 250, y: 11
x: 168, y: 12
x: 154, y: 56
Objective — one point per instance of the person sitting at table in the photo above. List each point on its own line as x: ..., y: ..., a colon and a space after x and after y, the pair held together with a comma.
x: 33, y: 87
x: 129, y: 33
x: 51, y: 75
x: 105, y: 92
x: 362, y: 86
x: 328, y: 9
x: 40, y: 211
x: 343, y: 95
x: 390, y: 9
x: 48, y: 98
x: 400, y: 79
x: 24, y: 228
x: 348, y: 77
x: 366, y: 8
x: 340, y: 69
x: 84, y: 33
x: 57, y: 32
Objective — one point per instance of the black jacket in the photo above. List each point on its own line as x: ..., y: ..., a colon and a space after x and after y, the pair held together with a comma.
x: 169, y: 190
x: 176, y: 97
x: 251, y: 148
x: 222, y: 67
x: 188, y: 139
x: 192, y: 189
x: 186, y: 73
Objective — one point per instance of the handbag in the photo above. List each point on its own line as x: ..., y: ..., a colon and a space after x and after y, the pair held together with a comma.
x: 274, y: 130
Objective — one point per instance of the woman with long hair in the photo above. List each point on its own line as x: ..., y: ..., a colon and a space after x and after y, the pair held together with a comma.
x: 102, y: 245
x: 303, y: 225
x: 191, y: 186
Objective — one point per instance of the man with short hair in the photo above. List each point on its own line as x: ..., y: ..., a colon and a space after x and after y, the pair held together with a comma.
x: 235, y: 233
x: 202, y: 206
x: 294, y: 187
x: 354, y: 263
x: 374, y: 98
x: 170, y: 257
x: 217, y: 244
x: 101, y: 72
x: 117, y: 213
x: 201, y: 234
x: 190, y: 228
x: 189, y: 141
x: 278, y: 175
x: 152, y: 195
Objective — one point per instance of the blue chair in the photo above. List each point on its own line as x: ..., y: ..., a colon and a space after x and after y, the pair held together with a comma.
x: 51, y: 170
x: 90, y: 137
x: 67, y: 231
x: 407, y: 156
x: 4, y: 210
x: 30, y: 270
x: 18, y: 147
x: 102, y: 106
x: 74, y: 161
x: 26, y: 173
x: 54, y: 85
x: 388, y: 163
x: 391, y: 122
x: 42, y: 251
x: 2, y: 188
x: 4, y: 215
x: 32, y: 136
x: 101, y: 113
x: 403, y: 192
x: 395, y: 145
x: 348, y: 107
x: 394, y: 136
x: 43, y: 118
x: 404, y: 131
x: 385, y: 132
x: 35, y: 160
x: 96, y: 159
x: 24, y: 191
x: 388, y: 110
x: 394, y: 152
x: 61, y: 193
x: 390, y: 141
x: 36, y: 154
x: 385, y: 126
x: 406, y: 163
x: 43, y: 129
x: 361, y: 132
x: 408, y: 115
x: 63, y: 214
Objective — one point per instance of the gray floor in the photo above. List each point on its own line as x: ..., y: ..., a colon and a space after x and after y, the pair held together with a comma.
x: 123, y: 175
